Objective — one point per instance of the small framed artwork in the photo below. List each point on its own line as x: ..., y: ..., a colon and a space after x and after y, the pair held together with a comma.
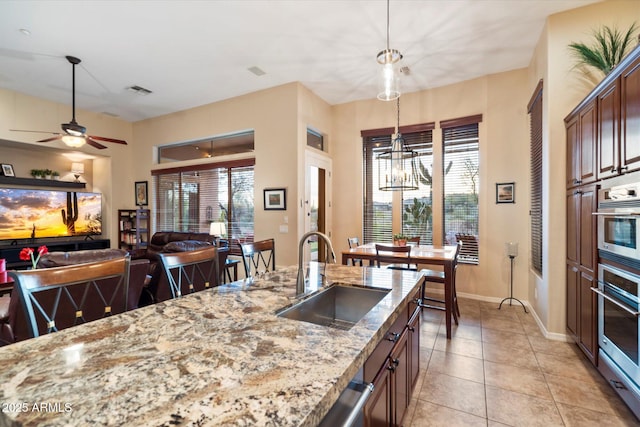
x: 506, y: 192
x: 142, y: 193
x: 7, y: 170
x: 275, y: 199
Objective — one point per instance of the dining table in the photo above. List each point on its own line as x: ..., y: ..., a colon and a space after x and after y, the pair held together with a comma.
x: 421, y: 255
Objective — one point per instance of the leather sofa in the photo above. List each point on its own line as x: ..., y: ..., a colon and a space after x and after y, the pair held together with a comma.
x: 170, y: 241
x: 13, y: 326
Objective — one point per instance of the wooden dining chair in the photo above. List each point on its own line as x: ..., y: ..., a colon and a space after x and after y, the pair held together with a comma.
x: 188, y: 272
x: 258, y: 257
x: 62, y: 297
x: 415, y: 240
x: 435, y: 276
x: 398, y: 251
x: 354, y: 242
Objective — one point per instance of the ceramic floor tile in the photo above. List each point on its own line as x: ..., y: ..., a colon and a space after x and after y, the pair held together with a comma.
x: 467, y: 368
x: 461, y: 346
x: 521, y: 380
x: 455, y: 393
x: 430, y: 415
x: 597, y: 397
x: 499, y: 370
x: 506, y: 339
x: 518, y: 409
x: 569, y: 367
x: 509, y: 355
x: 575, y: 416
x: 558, y: 348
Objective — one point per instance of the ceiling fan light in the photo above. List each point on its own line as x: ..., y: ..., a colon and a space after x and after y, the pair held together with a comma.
x: 73, y: 141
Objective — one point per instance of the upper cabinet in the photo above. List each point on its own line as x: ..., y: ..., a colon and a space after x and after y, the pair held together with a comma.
x: 603, y: 131
x: 630, y: 129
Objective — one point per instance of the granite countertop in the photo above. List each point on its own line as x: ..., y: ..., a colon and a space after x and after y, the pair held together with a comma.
x: 213, y: 358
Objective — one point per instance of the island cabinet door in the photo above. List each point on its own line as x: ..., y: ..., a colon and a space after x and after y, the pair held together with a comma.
x: 400, y: 379
x: 414, y: 349
x: 377, y: 410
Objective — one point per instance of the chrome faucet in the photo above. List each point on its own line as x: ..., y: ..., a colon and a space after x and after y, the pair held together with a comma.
x: 301, y: 279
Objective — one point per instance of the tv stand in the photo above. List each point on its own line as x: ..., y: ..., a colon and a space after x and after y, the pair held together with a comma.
x: 12, y: 252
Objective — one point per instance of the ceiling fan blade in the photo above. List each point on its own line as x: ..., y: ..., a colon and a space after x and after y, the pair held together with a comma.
x: 50, y: 139
x: 34, y: 131
x: 102, y: 138
x: 94, y: 143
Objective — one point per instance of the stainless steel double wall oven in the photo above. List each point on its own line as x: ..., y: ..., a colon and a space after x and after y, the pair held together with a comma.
x: 619, y: 290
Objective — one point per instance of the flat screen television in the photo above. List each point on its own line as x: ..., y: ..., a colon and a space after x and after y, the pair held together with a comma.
x: 28, y: 214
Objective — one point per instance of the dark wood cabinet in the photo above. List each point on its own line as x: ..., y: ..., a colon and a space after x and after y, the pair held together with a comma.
x: 609, y: 130
x: 603, y: 130
x: 581, y: 147
x: 393, y: 369
x: 630, y: 116
x: 377, y: 410
x: 581, y: 264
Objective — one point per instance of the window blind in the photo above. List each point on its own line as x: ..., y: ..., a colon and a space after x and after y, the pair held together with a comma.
x: 417, y: 207
x: 190, y: 199
x: 461, y: 185
x: 535, y: 129
x: 377, y: 221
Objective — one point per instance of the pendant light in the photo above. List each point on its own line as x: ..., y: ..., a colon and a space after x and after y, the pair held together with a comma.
x: 397, y: 167
x: 389, y: 81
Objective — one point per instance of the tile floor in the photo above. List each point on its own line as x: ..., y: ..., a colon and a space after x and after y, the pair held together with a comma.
x: 499, y: 370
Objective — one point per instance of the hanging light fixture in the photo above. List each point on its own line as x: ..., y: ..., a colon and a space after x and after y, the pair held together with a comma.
x: 389, y: 81
x: 397, y: 167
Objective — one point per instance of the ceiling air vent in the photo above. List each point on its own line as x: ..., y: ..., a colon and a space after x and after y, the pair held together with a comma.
x: 139, y: 90
x: 257, y: 71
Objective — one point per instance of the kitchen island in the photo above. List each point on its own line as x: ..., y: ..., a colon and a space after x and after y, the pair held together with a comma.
x: 216, y: 357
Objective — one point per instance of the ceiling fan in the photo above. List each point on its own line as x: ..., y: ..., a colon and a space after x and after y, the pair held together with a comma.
x: 75, y: 134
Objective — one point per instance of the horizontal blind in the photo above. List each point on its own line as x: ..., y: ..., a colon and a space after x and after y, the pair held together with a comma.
x: 535, y: 128
x: 417, y: 206
x: 377, y: 221
x: 461, y: 186
x: 190, y: 200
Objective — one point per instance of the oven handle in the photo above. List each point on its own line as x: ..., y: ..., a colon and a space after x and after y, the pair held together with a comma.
x: 622, y: 306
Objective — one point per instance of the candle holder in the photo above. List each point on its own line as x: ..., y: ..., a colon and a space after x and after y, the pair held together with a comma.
x: 511, y: 248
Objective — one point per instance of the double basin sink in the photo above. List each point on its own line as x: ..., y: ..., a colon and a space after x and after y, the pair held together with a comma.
x: 338, y: 306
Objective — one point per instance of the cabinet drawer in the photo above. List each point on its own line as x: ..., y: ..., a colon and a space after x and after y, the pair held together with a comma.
x: 380, y: 354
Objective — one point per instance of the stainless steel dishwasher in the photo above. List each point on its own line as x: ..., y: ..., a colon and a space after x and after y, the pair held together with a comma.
x: 347, y: 411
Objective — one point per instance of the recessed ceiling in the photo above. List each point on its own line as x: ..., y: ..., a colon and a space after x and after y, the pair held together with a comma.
x: 190, y: 53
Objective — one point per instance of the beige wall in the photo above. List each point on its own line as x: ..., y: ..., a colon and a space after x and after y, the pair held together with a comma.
x: 501, y: 99
x: 564, y: 88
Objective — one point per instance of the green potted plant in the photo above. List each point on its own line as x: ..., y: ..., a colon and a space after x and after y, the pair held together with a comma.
x: 37, y: 173
x: 609, y: 48
x: 400, y: 239
x: 55, y: 175
x: 47, y: 173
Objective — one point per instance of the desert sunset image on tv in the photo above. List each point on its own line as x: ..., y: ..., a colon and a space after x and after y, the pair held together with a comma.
x: 27, y: 214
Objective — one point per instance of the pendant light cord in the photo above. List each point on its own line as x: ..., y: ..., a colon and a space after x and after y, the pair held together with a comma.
x: 387, y: 25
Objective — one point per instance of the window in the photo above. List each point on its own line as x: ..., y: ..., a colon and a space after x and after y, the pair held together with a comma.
x: 535, y: 125
x: 377, y: 225
x: 461, y: 184
x: 241, y: 142
x: 315, y: 139
x: 190, y: 198
x: 417, y: 208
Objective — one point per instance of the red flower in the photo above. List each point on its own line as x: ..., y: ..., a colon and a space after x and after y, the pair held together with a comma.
x: 26, y: 254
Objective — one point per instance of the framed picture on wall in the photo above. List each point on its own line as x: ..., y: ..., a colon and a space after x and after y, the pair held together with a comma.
x: 506, y: 192
x: 275, y: 199
x: 141, y: 193
x: 7, y: 170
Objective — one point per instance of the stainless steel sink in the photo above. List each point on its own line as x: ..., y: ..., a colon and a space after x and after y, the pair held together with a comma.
x: 338, y: 306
